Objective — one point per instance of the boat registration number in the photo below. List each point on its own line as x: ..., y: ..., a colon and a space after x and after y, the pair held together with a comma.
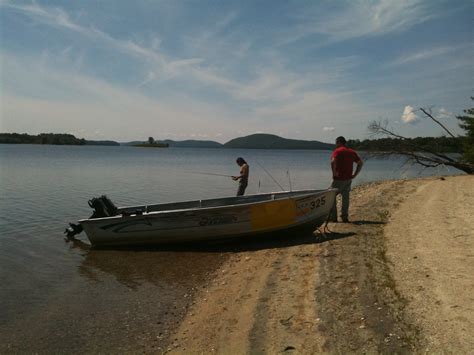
x: 306, y: 205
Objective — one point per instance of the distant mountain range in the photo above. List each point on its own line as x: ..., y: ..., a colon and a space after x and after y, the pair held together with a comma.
x: 101, y: 143
x: 253, y: 141
x: 193, y: 144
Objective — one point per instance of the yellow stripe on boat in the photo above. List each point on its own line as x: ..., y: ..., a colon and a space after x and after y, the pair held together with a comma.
x: 273, y: 214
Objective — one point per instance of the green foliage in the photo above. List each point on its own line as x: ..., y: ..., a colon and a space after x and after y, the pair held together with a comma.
x: 467, y: 124
x: 43, y: 138
x: 441, y: 144
x: 151, y: 140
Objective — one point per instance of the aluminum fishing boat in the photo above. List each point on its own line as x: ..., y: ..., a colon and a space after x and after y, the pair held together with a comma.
x: 205, y: 220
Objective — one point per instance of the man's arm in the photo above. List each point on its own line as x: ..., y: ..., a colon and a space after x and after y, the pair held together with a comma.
x: 358, y: 169
x: 244, y: 173
x: 333, y: 167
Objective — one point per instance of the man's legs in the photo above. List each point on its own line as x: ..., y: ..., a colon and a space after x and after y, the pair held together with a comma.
x: 241, y: 189
x: 345, y: 193
x: 344, y: 188
x: 335, y: 185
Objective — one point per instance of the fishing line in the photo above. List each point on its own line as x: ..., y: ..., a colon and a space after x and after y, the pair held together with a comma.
x: 276, y: 182
x: 304, y: 215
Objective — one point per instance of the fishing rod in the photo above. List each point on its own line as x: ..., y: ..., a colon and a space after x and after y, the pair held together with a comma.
x: 289, y: 178
x: 211, y: 174
x: 305, y: 216
x: 276, y: 182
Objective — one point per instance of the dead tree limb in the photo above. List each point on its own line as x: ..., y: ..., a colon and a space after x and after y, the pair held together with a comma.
x: 438, y: 122
x: 427, y: 157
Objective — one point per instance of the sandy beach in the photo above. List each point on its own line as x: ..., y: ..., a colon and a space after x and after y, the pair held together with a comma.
x: 398, y: 278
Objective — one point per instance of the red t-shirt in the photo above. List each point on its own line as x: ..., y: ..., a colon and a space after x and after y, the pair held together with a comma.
x: 344, y: 159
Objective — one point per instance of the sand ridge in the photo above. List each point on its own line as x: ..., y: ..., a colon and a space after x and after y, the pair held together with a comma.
x: 430, y: 248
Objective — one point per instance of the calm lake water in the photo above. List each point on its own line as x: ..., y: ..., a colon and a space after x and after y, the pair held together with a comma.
x: 55, y: 296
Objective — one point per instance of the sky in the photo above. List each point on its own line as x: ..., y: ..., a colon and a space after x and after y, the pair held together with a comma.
x: 216, y: 70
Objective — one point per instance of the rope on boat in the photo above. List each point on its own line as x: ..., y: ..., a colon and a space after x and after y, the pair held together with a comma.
x: 324, y: 228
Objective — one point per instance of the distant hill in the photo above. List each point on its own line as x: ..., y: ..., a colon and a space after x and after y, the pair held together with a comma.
x: 271, y: 141
x: 102, y: 143
x: 180, y: 144
x: 193, y: 144
x: 132, y: 143
x: 152, y: 145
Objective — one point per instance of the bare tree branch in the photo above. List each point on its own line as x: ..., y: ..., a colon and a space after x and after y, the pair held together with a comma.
x: 427, y: 157
x: 434, y: 119
x: 378, y: 128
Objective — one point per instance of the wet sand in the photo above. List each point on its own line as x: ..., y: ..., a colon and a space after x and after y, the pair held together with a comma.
x: 398, y: 278
x: 122, y: 301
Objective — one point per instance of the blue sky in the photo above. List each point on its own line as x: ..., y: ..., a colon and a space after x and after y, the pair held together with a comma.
x: 195, y: 69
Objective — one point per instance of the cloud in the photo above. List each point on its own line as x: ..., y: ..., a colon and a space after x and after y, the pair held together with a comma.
x: 359, y: 18
x: 69, y: 100
x: 408, y: 115
x: 221, y: 75
x: 423, y: 55
x: 148, y: 79
x: 329, y: 129
x: 58, y: 18
x: 443, y: 113
x: 41, y: 97
x: 98, y: 134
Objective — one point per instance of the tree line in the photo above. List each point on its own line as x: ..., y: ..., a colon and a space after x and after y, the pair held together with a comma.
x: 43, y: 138
x: 443, y: 144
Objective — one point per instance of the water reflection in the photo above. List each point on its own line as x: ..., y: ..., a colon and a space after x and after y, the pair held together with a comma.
x: 175, y: 266
x: 161, y: 268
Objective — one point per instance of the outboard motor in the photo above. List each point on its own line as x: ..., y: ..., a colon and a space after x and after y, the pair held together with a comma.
x: 72, y: 230
x: 103, y: 207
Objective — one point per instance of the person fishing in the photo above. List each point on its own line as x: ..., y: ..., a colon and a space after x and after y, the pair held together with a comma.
x: 243, y: 178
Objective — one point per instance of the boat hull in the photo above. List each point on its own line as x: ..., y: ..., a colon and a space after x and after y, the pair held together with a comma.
x: 212, y: 220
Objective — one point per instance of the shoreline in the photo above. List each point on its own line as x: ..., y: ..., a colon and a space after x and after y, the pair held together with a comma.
x: 348, y: 290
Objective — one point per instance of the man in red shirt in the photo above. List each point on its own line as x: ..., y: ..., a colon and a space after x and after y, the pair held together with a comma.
x: 342, y: 163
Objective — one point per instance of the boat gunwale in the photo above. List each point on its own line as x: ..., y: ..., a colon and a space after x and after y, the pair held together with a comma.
x: 304, y: 193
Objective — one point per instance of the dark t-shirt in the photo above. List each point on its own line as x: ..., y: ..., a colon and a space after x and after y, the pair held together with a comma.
x: 344, y: 159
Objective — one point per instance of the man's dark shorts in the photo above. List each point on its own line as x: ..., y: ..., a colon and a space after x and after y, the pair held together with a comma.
x: 242, y: 186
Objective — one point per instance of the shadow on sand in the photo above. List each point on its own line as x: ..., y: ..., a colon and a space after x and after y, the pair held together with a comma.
x: 364, y: 222
x: 234, y: 245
